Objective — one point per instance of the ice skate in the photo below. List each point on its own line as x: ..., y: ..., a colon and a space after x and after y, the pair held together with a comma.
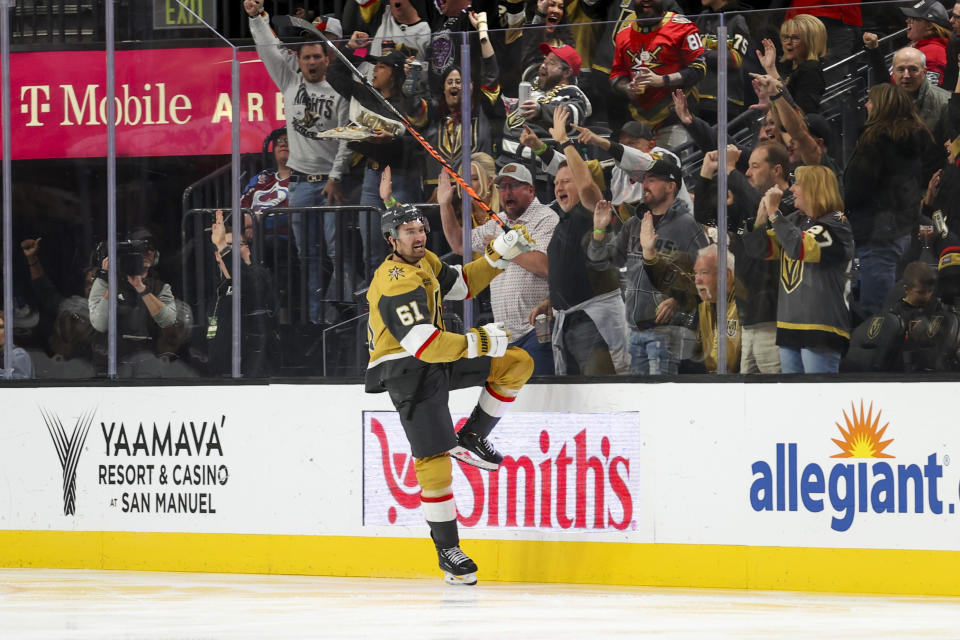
x: 457, y: 567
x: 477, y: 451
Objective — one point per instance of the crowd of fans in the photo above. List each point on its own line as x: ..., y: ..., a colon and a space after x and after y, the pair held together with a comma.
x: 593, y: 124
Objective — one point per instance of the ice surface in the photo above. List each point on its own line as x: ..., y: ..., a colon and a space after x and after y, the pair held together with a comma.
x: 68, y: 604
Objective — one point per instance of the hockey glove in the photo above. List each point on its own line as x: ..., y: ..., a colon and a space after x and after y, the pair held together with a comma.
x: 489, y: 340
x: 508, y: 246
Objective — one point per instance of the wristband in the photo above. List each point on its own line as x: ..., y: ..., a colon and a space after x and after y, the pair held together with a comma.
x: 568, y: 143
x: 223, y: 252
x: 390, y: 202
x: 775, y: 96
x: 543, y: 147
x: 143, y: 293
x: 595, y: 230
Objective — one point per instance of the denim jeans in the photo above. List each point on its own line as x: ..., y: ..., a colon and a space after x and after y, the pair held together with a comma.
x: 312, y: 239
x: 541, y: 352
x: 658, y: 351
x: 809, y: 360
x: 878, y: 272
x: 406, y: 189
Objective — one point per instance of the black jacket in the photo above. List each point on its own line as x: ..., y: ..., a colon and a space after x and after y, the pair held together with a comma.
x: 806, y: 84
x: 402, y: 154
x: 884, y: 183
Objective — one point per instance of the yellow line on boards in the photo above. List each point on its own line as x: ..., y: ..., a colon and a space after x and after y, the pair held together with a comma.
x: 892, y: 571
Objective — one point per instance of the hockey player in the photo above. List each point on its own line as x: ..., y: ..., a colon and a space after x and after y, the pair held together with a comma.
x: 417, y: 362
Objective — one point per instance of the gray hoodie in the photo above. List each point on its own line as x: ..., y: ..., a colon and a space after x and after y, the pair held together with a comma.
x: 677, y: 232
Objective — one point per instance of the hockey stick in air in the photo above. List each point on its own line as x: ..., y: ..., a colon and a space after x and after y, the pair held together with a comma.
x: 307, y: 27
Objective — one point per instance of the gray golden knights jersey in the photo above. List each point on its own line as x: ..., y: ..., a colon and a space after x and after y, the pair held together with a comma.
x: 567, y: 95
x: 815, y: 255
x: 310, y: 107
x: 406, y: 313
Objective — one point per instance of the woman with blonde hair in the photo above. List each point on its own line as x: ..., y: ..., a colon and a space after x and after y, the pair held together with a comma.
x: 814, y: 246
x: 482, y: 172
x: 883, y: 182
x: 804, y: 40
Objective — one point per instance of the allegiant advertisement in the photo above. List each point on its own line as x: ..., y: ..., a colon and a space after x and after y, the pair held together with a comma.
x: 872, y: 470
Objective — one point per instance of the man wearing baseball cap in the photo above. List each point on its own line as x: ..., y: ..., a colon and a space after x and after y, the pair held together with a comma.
x: 398, y: 27
x: 388, y: 144
x: 929, y: 10
x: 656, y: 345
x: 524, y: 282
x: 555, y: 86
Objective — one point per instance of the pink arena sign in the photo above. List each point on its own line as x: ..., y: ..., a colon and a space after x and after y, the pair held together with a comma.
x: 561, y: 471
x: 169, y: 102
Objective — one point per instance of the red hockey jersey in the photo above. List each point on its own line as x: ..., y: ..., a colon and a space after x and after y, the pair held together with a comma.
x: 669, y: 46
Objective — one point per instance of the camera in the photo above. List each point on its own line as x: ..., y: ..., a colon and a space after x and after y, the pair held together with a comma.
x: 129, y: 257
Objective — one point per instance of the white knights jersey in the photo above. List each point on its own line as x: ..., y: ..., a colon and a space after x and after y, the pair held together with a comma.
x: 626, y: 180
x: 310, y: 107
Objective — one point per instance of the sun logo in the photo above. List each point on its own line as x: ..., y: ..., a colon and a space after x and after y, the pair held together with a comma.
x: 861, y: 439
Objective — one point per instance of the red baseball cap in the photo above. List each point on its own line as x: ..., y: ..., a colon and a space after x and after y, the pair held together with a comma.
x: 566, y: 53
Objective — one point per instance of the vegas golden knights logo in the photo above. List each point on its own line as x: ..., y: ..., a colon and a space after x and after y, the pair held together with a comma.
x: 791, y: 273
x: 874, y: 329
x: 732, y: 327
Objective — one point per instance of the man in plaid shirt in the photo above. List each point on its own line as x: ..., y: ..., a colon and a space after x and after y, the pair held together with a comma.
x: 524, y: 284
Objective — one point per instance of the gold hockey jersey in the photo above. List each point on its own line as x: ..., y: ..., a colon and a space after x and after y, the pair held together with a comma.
x: 406, y: 313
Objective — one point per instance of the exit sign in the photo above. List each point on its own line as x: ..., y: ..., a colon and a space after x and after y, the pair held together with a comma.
x: 183, y: 14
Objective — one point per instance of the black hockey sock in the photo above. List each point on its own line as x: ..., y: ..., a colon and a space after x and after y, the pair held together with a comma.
x: 444, y: 534
x: 480, y: 423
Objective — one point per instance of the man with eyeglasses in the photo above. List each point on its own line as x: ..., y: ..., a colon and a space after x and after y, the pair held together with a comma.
x: 910, y: 72
x: 524, y: 282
